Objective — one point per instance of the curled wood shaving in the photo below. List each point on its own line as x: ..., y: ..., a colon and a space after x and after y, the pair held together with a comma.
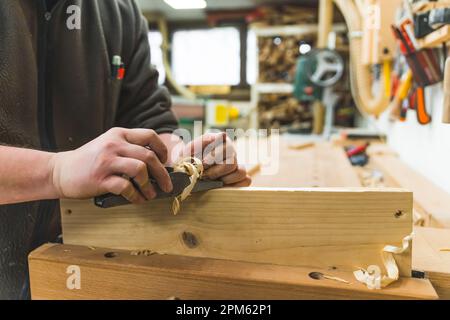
x: 367, y: 276
x: 194, y: 168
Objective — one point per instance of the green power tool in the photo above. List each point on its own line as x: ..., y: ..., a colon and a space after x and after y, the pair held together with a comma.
x: 318, y: 69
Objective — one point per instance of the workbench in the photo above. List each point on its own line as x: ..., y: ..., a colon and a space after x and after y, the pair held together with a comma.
x: 269, y: 252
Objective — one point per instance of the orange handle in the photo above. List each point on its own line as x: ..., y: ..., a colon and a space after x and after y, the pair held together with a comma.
x: 422, y: 115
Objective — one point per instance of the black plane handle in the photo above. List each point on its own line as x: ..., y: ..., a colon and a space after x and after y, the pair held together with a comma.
x: 180, y: 181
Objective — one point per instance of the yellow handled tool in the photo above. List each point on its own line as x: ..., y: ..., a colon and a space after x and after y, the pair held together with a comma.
x: 387, y: 78
x: 401, y: 94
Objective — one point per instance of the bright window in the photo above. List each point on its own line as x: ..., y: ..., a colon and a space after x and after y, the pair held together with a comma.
x: 155, y: 39
x: 207, y: 57
x: 252, y: 57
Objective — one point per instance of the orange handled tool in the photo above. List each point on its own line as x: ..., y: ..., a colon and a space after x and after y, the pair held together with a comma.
x: 422, y: 115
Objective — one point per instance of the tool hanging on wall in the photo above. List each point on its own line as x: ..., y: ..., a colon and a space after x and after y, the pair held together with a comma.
x: 430, y: 16
x: 425, y: 71
x: 422, y: 115
x: 423, y: 62
x: 400, y: 95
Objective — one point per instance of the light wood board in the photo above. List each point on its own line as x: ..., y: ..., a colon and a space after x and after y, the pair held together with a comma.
x: 125, y: 276
x: 430, y: 257
x: 322, y: 228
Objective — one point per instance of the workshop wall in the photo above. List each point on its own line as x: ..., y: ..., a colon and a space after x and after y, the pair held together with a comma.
x: 424, y: 148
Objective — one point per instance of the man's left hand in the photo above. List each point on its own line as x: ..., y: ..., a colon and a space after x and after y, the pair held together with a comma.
x: 219, y: 159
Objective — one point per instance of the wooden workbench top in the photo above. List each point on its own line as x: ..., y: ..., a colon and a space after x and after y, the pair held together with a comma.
x: 431, y: 254
x: 301, y: 164
x: 119, y: 274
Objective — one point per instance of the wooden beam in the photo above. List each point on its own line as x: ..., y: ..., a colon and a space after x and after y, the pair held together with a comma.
x: 124, y: 276
x: 325, y: 22
x: 430, y: 256
x: 322, y: 228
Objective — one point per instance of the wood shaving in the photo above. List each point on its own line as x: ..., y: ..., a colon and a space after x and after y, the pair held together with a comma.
x: 146, y: 253
x: 336, y: 279
x: 302, y: 146
x: 368, y: 277
x: 194, y: 168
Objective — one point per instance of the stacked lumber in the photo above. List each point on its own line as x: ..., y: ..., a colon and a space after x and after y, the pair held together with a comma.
x: 283, y: 15
x: 282, y: 111
x: 278, y: 57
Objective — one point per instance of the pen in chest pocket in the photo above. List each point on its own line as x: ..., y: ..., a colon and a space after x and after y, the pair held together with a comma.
x: 118, y: 68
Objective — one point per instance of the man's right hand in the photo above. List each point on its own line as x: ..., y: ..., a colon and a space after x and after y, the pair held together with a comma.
x: 105, y: 165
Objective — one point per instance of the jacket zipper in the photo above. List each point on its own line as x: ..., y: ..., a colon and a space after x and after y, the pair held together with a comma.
x: 45, y: 118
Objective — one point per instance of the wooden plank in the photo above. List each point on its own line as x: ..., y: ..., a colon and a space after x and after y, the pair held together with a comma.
x: 429, y: 199
x: 430, y: 256
x: 342, y: 228
x: 125, y: 276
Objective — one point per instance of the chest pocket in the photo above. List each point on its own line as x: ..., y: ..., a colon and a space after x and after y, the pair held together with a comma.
x: 115, y: 87
x: 117, y: 75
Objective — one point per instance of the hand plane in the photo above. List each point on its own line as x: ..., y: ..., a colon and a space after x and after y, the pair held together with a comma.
x: 180, y: 181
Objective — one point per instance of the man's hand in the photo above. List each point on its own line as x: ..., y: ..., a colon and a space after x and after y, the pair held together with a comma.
x: 219, y: 158
x: 105, y: 165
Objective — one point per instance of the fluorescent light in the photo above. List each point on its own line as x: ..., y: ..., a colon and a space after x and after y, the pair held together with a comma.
x: 186, y: 4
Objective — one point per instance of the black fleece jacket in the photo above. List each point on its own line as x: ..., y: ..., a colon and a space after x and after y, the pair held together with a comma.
x: 57, y: 93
